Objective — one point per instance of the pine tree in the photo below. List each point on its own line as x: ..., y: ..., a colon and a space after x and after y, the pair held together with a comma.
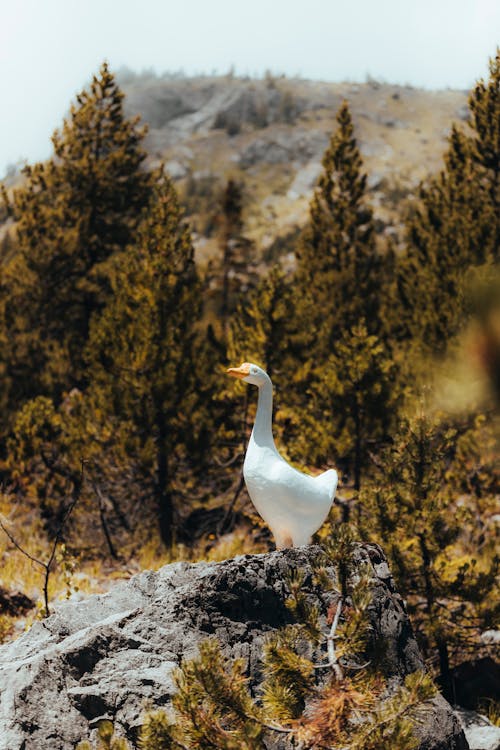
x: 418, y: 512
x: 338, y: 289
x: 339, y: 267
x: 456, y: 226
x: 484, y: 104
x: 232, y: 224
x: 356, y: 395
x: 262, y: 330
x: 146, y: 364
x: 73, y: 213
x: 445, y: 240
x: 262, y: 327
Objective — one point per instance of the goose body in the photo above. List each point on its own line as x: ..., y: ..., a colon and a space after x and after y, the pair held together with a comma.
x: 293, y: 504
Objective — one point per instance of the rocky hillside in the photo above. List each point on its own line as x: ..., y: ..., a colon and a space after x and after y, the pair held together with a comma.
x: 271, y: 135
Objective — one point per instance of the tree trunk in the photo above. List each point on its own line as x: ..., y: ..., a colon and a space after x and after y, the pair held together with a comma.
x: 226, y: 260
x: 442, y: 646
x: 163, y: 491
x: 445, y: 680
x: 357, y: 449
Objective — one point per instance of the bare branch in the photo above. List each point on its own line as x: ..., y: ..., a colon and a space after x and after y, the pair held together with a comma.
x: 225, y: 464
x: 333, y: 662
x: 330, y: 644
x: 77, y: 483
x: 229, y: 511
x: 18, y: 546
x: 104, y: 523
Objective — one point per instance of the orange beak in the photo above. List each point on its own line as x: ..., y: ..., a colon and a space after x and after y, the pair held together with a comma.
x: 239, y: 372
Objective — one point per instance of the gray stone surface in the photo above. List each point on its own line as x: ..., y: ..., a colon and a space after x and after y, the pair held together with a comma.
x: 305, y: 180
x: 110, y: 654
x: 481, y: 734
x: 281, y: 145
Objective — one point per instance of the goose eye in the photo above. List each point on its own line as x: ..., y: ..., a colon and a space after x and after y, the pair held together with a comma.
x: 254, y: 371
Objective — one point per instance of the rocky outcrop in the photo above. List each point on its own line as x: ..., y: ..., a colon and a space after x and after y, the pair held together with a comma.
x: 108, y: 655
x: 284, y: 146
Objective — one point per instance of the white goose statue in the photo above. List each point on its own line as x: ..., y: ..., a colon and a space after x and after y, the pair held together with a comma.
x: 294, y: 505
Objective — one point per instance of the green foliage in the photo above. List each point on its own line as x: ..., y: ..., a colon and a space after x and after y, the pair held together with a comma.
x: 213, y: 705
x: 300, y: 606
x: 339, y: 269
x: 456, y: 226
x: 142, y: 424
x: 261, y: 329
x: 157, y: 732
x: 413, y: 512
x: 72, y: 214
x: 289, y: 676
x: 234, y: 249
x: 390, y: 724
x: 214, y: 708
x: 37, y: 426
x: 353, y: 630
x: 35, y: 459
x: 107, y: 739
x: 342, y: 395
x: 355, y: 392
x: 484, y: 104
x: 106, y: 358
x: 146, y: 359
x: 353, y: 633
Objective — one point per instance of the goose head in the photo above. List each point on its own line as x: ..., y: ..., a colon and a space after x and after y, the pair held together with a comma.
x: 250, y: 373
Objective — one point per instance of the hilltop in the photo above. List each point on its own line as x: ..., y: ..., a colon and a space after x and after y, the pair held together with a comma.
x: 271, y: 134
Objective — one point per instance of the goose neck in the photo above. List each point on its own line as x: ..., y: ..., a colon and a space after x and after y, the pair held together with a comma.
x: 263, y: 427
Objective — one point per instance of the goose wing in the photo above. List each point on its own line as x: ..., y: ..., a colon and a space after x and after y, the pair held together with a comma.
x: 300, y: 491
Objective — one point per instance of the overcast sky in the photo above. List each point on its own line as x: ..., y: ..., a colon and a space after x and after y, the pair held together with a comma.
x: 50, y: 48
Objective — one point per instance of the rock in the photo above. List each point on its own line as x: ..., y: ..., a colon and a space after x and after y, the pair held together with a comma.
x: 392, y: 122
x: 304, y: 181
x: 463, y: 112
x: 285, y: 146
x: 110, y: 654
x: 374, y: 180
x: 376, y: 147
x: 176, y: 170
x: 490, y: 637
x: 480, y: 733
x: 163, y: 101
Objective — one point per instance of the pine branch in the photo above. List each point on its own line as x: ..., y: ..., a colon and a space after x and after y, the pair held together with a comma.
x: 333, y: 661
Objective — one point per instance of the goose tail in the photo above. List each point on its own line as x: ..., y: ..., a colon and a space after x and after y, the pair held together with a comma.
x: 329, y: 479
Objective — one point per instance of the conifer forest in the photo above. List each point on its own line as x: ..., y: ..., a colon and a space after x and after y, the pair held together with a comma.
x: 123, y: 439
